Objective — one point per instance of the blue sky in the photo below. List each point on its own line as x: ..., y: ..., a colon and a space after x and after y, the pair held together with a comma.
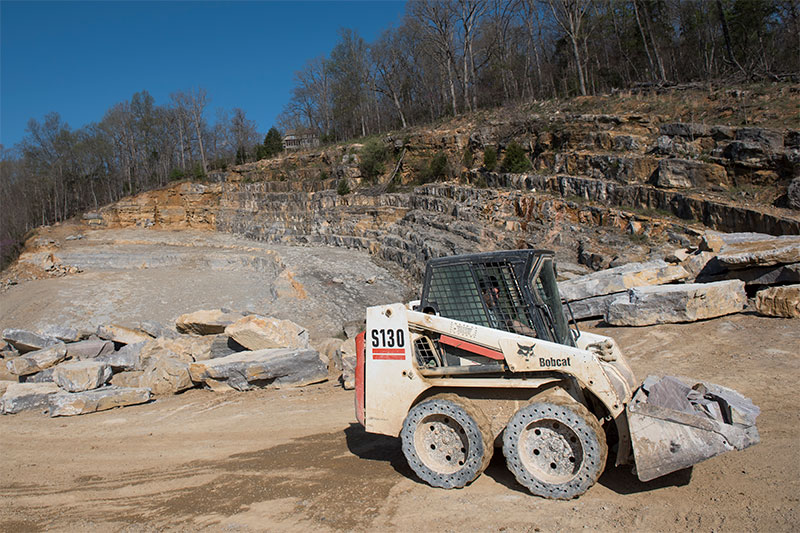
x: 80, y: 58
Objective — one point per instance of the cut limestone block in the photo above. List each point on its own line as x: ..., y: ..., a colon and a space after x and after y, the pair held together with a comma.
x: 779, y: 301
x: 89, y: 349
x: 207, y: 321
x: 276, y: 367
x: 257, y: 333
x: 768, y: 275
x: 33, y: 362
x: 777, y: 251
x: 223, y: 346
x: 666, y: 304
x: 714, y: 241
x: 621, y: 278
x: 128, y: 378
x: 4, y: 384
x: 80, y: 403
x: 166, y: 375
x: 23, y: 396
x: 592, y: 307
x: 126, y: 358
x: 82, y: 375
x: 45, y: 376
x: 62, y: 333
x: 122, y: 334
x: 28, y: 341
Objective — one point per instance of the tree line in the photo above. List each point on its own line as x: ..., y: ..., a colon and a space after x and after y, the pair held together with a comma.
x: 56, y: 172
x: 447, y: 57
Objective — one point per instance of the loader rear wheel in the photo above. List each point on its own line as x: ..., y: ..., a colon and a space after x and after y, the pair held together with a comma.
x: 555, y: 448
x: 447, y: 441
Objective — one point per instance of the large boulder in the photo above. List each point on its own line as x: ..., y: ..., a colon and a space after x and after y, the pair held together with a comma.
x: 33, y: 362
x: 776, y: 251
x: 779, y: 301
x: 23, y: 396
x: 126, y: 358
x: 69, y: 404
x: 122, y: 334
x: 81, y: 375
x: 621, y: 278
x: 768, y: 275
x: 666, y: 304
x: 89, y: 349
x: 207, y: 321
x: 62, y: 333
x: 269, y: 367
x: 186, y: 348
x: 714, y: 241
x: 28, y: 341
x: 687, y: 173
x: 166, y: 375
x: 257, y: 333
x: 592, y: 307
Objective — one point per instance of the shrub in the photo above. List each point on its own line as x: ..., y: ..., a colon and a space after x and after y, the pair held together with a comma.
x: 490, y: 158
x: 176, y: 174
x: 373, y: 156
x: 323, y: 175
x: 467, y: 158
x: 343, y: 188
x: 515, y: 160
x: 437, y: 168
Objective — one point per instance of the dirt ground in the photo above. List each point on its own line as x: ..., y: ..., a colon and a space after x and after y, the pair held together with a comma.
x: 294, y: 459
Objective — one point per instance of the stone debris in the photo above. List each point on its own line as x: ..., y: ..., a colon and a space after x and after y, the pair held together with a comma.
x: 24, y: 396
x: 126, y: 358
x: 45, y: 376
x: 82, y: 375
x: 80, y: 403
x: 667, y: 304
x: 261, y: 368
x: 257, y: 333
x: 28, y: 341
x: 89, y: 349
x: 781, y: 301
x: 32, y: 362
x: 122, y: 334
x: 207, y: 322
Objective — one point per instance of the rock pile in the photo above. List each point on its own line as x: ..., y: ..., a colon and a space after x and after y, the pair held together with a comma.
x: 68, y: 372
x: 706, y: 281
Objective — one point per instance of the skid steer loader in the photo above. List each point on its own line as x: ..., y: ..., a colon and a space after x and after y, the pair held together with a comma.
x: 487, y: 357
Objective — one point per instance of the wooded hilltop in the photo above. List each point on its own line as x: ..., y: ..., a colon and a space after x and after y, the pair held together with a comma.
x: 443, y: 59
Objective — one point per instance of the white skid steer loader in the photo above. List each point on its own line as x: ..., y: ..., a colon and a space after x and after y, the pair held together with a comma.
x: 488, y: 356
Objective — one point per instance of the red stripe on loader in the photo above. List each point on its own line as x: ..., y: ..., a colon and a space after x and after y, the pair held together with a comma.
x: 474, y: 348
x: 392, y: 354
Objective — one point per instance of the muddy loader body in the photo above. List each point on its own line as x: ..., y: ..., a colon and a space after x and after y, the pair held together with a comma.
x: 487, y: 358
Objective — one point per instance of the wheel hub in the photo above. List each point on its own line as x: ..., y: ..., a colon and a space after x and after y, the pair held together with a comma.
x: 551, y: 449
x: 441, y: 443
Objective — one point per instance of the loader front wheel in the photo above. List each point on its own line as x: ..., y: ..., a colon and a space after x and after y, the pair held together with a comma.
x: 555, y: 448
x: 447, y: 441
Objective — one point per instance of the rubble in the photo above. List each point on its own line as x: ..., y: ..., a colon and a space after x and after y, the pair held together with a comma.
x: 644, y: 306
x: 80, y: 403
x: 257, y: 333
x: 24, y: 396
x: 207, y: 322
x: 268, y: 367
x: 126, y: 358
x: 28, y: 341
x: 122, y: 334
x: 82, y: 375
x: 167, y: 374
x: 32, y: 362
x: 781, y: 301
x: 89, y: 349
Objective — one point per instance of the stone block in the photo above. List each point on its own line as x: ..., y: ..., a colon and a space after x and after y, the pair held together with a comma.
x: 207, y: 322
x: 23, y: 396
x: 122, y: 334
x: 27, y: 341
x: 697, y: 262
x: 89, y: 349
x: 666, y: 304
x: 769, y: 275
x: 126, y: 358
x: 772, y: 139
x: 779, y: 301
x: 261, y: 368
x: 777, y: 251
x: 82, y: 375
x: 45, y: 376
x: 166, y: 375
x: 592, y: 307
x: 222, y: 346
x: 155, y: 330
x: 349, y: 364
x: 33, y: 362
x: 688, y: 173
x: 257, y: 333
x: 4, y: 384
x: 129, y: 378
x: 685, y: 129
x: 62, y: 333
x: 621, y: 278
x: 714, y: 241
x: 80, y: 403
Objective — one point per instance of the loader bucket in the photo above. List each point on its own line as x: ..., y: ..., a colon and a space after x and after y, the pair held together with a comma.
x: 675, y: 425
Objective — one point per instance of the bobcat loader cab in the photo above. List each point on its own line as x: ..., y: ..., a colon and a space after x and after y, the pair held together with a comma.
x: 487, y: 356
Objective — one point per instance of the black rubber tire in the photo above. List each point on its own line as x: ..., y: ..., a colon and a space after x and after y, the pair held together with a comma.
x: 555, y: 448
x: 447, y: 441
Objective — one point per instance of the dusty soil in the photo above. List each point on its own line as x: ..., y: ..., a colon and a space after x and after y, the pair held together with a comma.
x: 295, y: 459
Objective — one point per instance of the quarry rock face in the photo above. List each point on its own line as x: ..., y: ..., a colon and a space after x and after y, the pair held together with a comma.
x: 686, y: 173
x: 80, y: 403
x: 261, y: 368
x: 258, y: 332
x: 783, y: 301
x: 33, y: 362
x: 24, y: 396
x: 207, y: 322
x: 667, y: 304
x: 81, y: 376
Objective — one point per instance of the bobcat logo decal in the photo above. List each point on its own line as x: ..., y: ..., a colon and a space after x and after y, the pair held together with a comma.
x: 526, y: 352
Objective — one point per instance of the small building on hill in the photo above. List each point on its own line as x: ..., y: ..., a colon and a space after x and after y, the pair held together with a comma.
x: 299, y: 139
